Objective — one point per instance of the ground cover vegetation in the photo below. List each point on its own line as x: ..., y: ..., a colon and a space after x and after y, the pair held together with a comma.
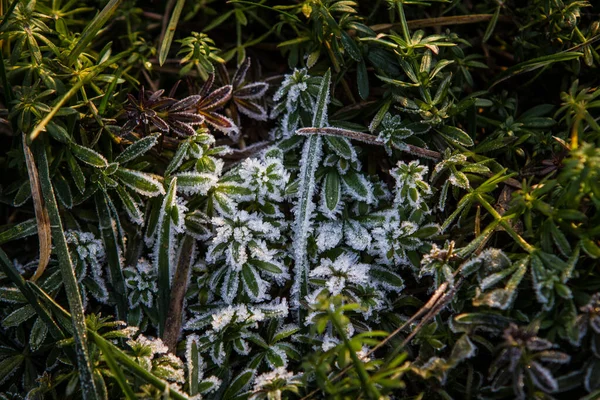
x: 385, y: 199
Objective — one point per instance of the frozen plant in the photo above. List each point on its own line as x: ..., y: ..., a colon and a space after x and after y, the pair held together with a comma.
x: 266, y: 178
x: 141, y: 283
x: 88, y: 255
x: 411, y: 185
x: 342, y: 272
x: 271, y: 385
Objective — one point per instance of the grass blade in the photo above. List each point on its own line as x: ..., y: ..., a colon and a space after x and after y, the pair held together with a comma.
x: 114, y: 368
x: 536, y: 63
x: 86, y: 377
x: 109, y: 237
x: 11, y: 272
x: 92, y: 29
x: 164, y: 254
x: 311, y: 155
x: 492, y: 25
x: 168, y: 38
x: 41, y: 213
x: 18, y: 231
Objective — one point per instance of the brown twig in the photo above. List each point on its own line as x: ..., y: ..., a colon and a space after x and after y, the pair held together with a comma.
x: 440, y: 21
x: 178, y: 289
x: 370, y: 139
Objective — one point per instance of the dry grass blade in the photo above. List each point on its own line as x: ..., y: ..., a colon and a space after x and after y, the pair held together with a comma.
x: 178, y: 289
x: 41, y: 213
x: 440, y: 21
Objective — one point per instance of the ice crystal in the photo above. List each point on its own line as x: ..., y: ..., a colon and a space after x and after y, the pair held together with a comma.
x: 344, y: 271
x: 271, y: 384
x: 141, y: 283
x: 329, y: 235
x: 236, y: 235
x: 88, y: 255
x: 411, y: 186
x: 266, y: 179
x: 392, y: 240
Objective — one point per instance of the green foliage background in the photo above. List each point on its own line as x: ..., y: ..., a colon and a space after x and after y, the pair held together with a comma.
x: 304, y: 199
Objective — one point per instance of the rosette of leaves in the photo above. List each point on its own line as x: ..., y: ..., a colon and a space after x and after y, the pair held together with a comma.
x: 522, y: 361
x: 295, y: 100
x: 247, y: 97
x: 88, y: 257
x: 234, y: 328
x: 165, y: 114
x: 244, y: 243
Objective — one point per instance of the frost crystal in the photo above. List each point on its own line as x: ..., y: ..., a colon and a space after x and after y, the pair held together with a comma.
x: 88, y: 254
x: 393, y: 239
x: 274, y: 382
x: 265, y: 179
x: 141, y: 282
x: 329, y: 234
x: 345, y: 270
x: 411, y: 186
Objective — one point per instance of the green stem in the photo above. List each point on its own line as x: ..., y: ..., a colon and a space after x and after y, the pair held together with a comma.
x: 365, y: 380
x: 509, y: 229
x: 403, y: 22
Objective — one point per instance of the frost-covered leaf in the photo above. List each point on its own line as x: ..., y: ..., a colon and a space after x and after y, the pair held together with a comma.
x: 137, y: 149
x: 89, y: 156
x: 144, y: 183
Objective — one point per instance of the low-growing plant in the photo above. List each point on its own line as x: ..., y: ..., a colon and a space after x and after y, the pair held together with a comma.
x: 315, y: 199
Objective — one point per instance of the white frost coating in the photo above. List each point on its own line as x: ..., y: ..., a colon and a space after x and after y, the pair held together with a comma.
x: 266, y: 179
x: 357, y: 236
x: 196, y: 182
x: 141, y: 282
x: 270, y: 382
x: 366, y: 184
x: 342, y: 272
x: 392, y: 239
x: 143, y: 176
x: 89, y: 256
x: 304, y: 211
x: 329, y: 234
x: 411, y: 186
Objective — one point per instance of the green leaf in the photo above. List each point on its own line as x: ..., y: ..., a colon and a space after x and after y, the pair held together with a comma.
x: 239, y: 383
x: 536, y: 63
x: 332, y: 190
x: 350, y: 47
x: 18, y: 231
x: 137, y: 149
x: 10, y: 365
x: 163, y: 260
x: 143, y: 183
x: 89, y: 156
x: 18, y: 316
x: 170, y: 32
x: 358, y: 186
x: 560, y: 240
x: 266, y: 266
x: 249, y: 278
x: 362, y: 79
x: 91, y: 30
x: 456, y: 135
x: 492, y: 25
x: 387, y: 278
x: 38, y: 334
x: 590, y: 248
x: 341, y: 146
